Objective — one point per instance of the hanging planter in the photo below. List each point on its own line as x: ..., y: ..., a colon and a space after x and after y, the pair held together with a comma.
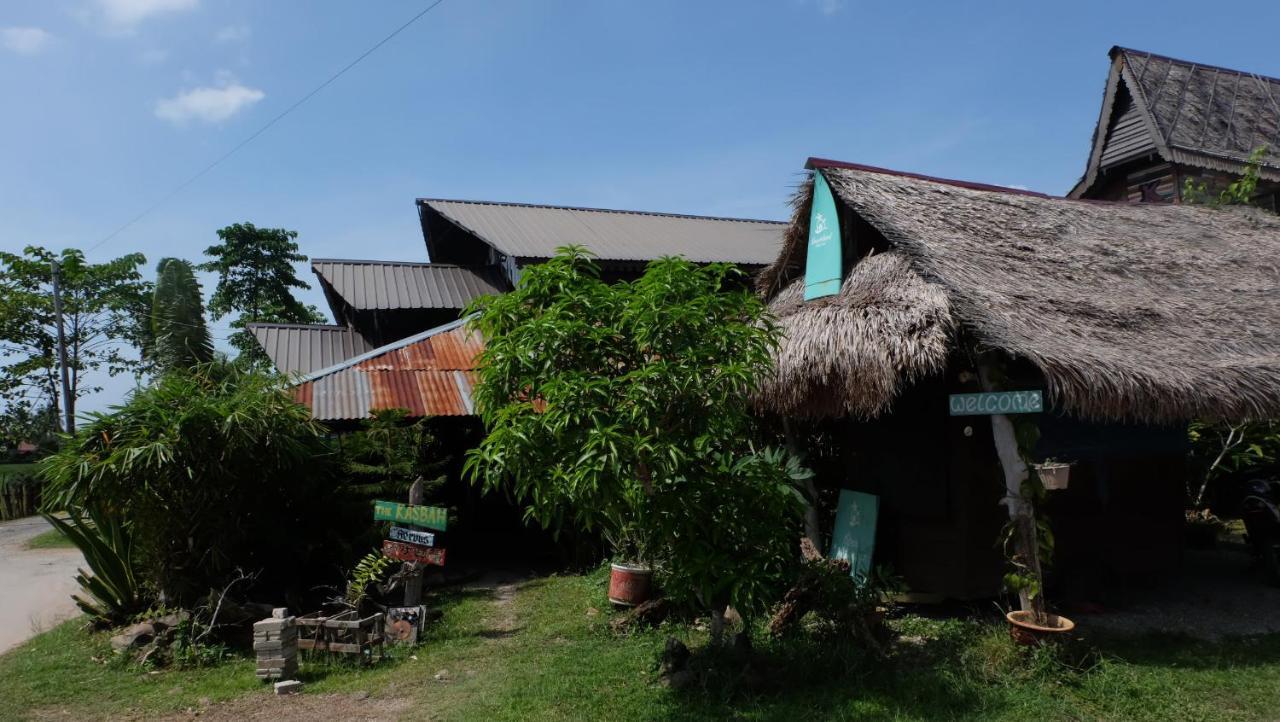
x: 1054, y: 475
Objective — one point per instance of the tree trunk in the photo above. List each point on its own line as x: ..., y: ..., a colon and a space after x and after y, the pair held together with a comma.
x: 717, y: 626
x: 812, y: 529
x: 1021, y: 512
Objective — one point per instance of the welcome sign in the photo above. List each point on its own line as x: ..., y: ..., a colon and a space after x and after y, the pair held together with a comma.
x: 823, y: 261
x: 997, y: 402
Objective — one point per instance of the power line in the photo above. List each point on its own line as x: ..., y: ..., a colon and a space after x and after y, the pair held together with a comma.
x: 203, y: 171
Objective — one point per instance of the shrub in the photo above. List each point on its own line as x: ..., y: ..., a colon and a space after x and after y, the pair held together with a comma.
x: 213, y: 471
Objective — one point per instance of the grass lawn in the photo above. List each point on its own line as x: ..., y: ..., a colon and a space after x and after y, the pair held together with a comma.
x: 545, y: 652
x: 51, y: 539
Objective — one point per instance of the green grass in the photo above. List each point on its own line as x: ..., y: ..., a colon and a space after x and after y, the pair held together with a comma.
x: 548, y: 655
x: 51, y: 539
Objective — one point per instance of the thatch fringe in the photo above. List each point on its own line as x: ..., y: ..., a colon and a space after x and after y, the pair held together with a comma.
x: 1152, y: 313
x: 852, y: 353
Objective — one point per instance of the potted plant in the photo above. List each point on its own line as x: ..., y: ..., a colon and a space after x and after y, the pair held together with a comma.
x: 630, y: 575
x: 1028, y: 543
x: 1054, y: 475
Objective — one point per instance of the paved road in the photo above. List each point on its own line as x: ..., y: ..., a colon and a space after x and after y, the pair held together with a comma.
x: 35, y: 584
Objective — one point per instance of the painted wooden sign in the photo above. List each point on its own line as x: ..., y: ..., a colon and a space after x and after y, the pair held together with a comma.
x: 413, y: 553
x: 997, y: 402
x: 823, y: 264
x: 854, y: 536
x: 431, y: 517
x: 413, y: 536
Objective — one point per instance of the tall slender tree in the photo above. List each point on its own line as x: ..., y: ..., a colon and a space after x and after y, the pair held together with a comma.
x: 256, y: 278
x: 102, y: 305
x: 179, y: 337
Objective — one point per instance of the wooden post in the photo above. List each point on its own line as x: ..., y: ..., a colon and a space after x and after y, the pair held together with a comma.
x: 1021, y: 511
x: 413, y: 580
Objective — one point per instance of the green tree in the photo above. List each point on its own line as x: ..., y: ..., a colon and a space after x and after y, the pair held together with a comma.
x: 179, y: 337
x: 624, y: 408
x: 256, y: 279
x: 102, y: 304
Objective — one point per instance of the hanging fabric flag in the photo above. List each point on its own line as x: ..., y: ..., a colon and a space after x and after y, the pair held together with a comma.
x: 823, y: 262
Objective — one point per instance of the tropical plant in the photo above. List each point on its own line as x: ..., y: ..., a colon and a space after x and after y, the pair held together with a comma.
x: 609, y: 406
x: 111, y: 592
x: 256, y: 279
x: 371, y: 568
x: 214, y: 471
x: 389, y: 452
x: 1238, y: 192
x: 102, y: 304
x: 179, y: 337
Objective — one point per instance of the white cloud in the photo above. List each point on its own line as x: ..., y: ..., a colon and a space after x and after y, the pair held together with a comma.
x: 209, y: 104
x: 124, y: 15
x: 24, y: 41
x: 232, y: 34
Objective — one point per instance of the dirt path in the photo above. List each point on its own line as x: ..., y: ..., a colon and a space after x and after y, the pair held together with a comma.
x: 35, y: 584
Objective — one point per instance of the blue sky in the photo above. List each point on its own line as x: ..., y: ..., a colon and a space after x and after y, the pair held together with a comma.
x: 695, y: 107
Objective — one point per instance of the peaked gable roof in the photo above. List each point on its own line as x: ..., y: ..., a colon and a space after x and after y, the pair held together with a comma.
x: 1189, y: 113
x: 535, y: 231
x: 390, y: 285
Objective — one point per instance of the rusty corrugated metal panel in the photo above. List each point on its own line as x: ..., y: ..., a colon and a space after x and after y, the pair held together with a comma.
x: 535, y: 231
x: 430, y: 374
x: 389, y: 285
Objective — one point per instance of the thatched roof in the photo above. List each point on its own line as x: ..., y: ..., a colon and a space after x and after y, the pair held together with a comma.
x: 1184, y: 112
x: 1154, y: 312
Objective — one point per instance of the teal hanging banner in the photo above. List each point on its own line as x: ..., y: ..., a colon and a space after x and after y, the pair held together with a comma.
x: 822, y: 265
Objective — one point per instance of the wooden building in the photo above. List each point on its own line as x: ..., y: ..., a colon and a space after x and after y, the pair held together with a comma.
x: 1164, y: 121
x: 1131, y: 318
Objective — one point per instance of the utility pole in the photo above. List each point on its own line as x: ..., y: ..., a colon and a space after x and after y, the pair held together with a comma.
x: 67, y: 401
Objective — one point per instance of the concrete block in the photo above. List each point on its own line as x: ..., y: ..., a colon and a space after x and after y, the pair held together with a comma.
x: 291, y: 686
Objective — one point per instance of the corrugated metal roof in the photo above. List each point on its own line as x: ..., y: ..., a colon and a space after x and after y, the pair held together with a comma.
x: 430, y: 374
x: 535, y: 231
x: 304, y: 348
x: 384, y: 285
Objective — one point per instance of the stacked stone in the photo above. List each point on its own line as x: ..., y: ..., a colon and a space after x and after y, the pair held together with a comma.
x: 275, y: 642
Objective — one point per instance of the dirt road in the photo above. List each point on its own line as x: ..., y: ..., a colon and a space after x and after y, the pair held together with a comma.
x: 35, y: 584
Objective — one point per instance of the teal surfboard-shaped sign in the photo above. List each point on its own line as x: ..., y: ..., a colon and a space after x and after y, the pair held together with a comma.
x: 854, y: 536
x: 822, y: 264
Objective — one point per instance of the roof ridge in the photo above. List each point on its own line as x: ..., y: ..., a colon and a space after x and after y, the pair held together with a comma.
x: 623, y: 211
x: 365, y: 261
x: 316, y: 326
x: 388, y: 348
x: 814, y: 163
x: 1221, y: 68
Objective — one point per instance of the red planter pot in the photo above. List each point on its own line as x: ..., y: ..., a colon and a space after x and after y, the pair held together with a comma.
x: 629, y: 584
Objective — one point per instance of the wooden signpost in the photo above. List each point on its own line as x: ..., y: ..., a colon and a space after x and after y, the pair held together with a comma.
x: 997, y: 402
x: 431, y: 517
x: 413, y: 553
x: 413, y: 536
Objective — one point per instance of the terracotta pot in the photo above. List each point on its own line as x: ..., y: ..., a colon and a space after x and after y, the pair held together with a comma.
x: 629, y: 584
x: 1025, y: 631
x: 1054, y: 476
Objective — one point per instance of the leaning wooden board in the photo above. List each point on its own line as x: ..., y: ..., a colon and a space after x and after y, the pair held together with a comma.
x: 431, y: 517
x: 413, y: 553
